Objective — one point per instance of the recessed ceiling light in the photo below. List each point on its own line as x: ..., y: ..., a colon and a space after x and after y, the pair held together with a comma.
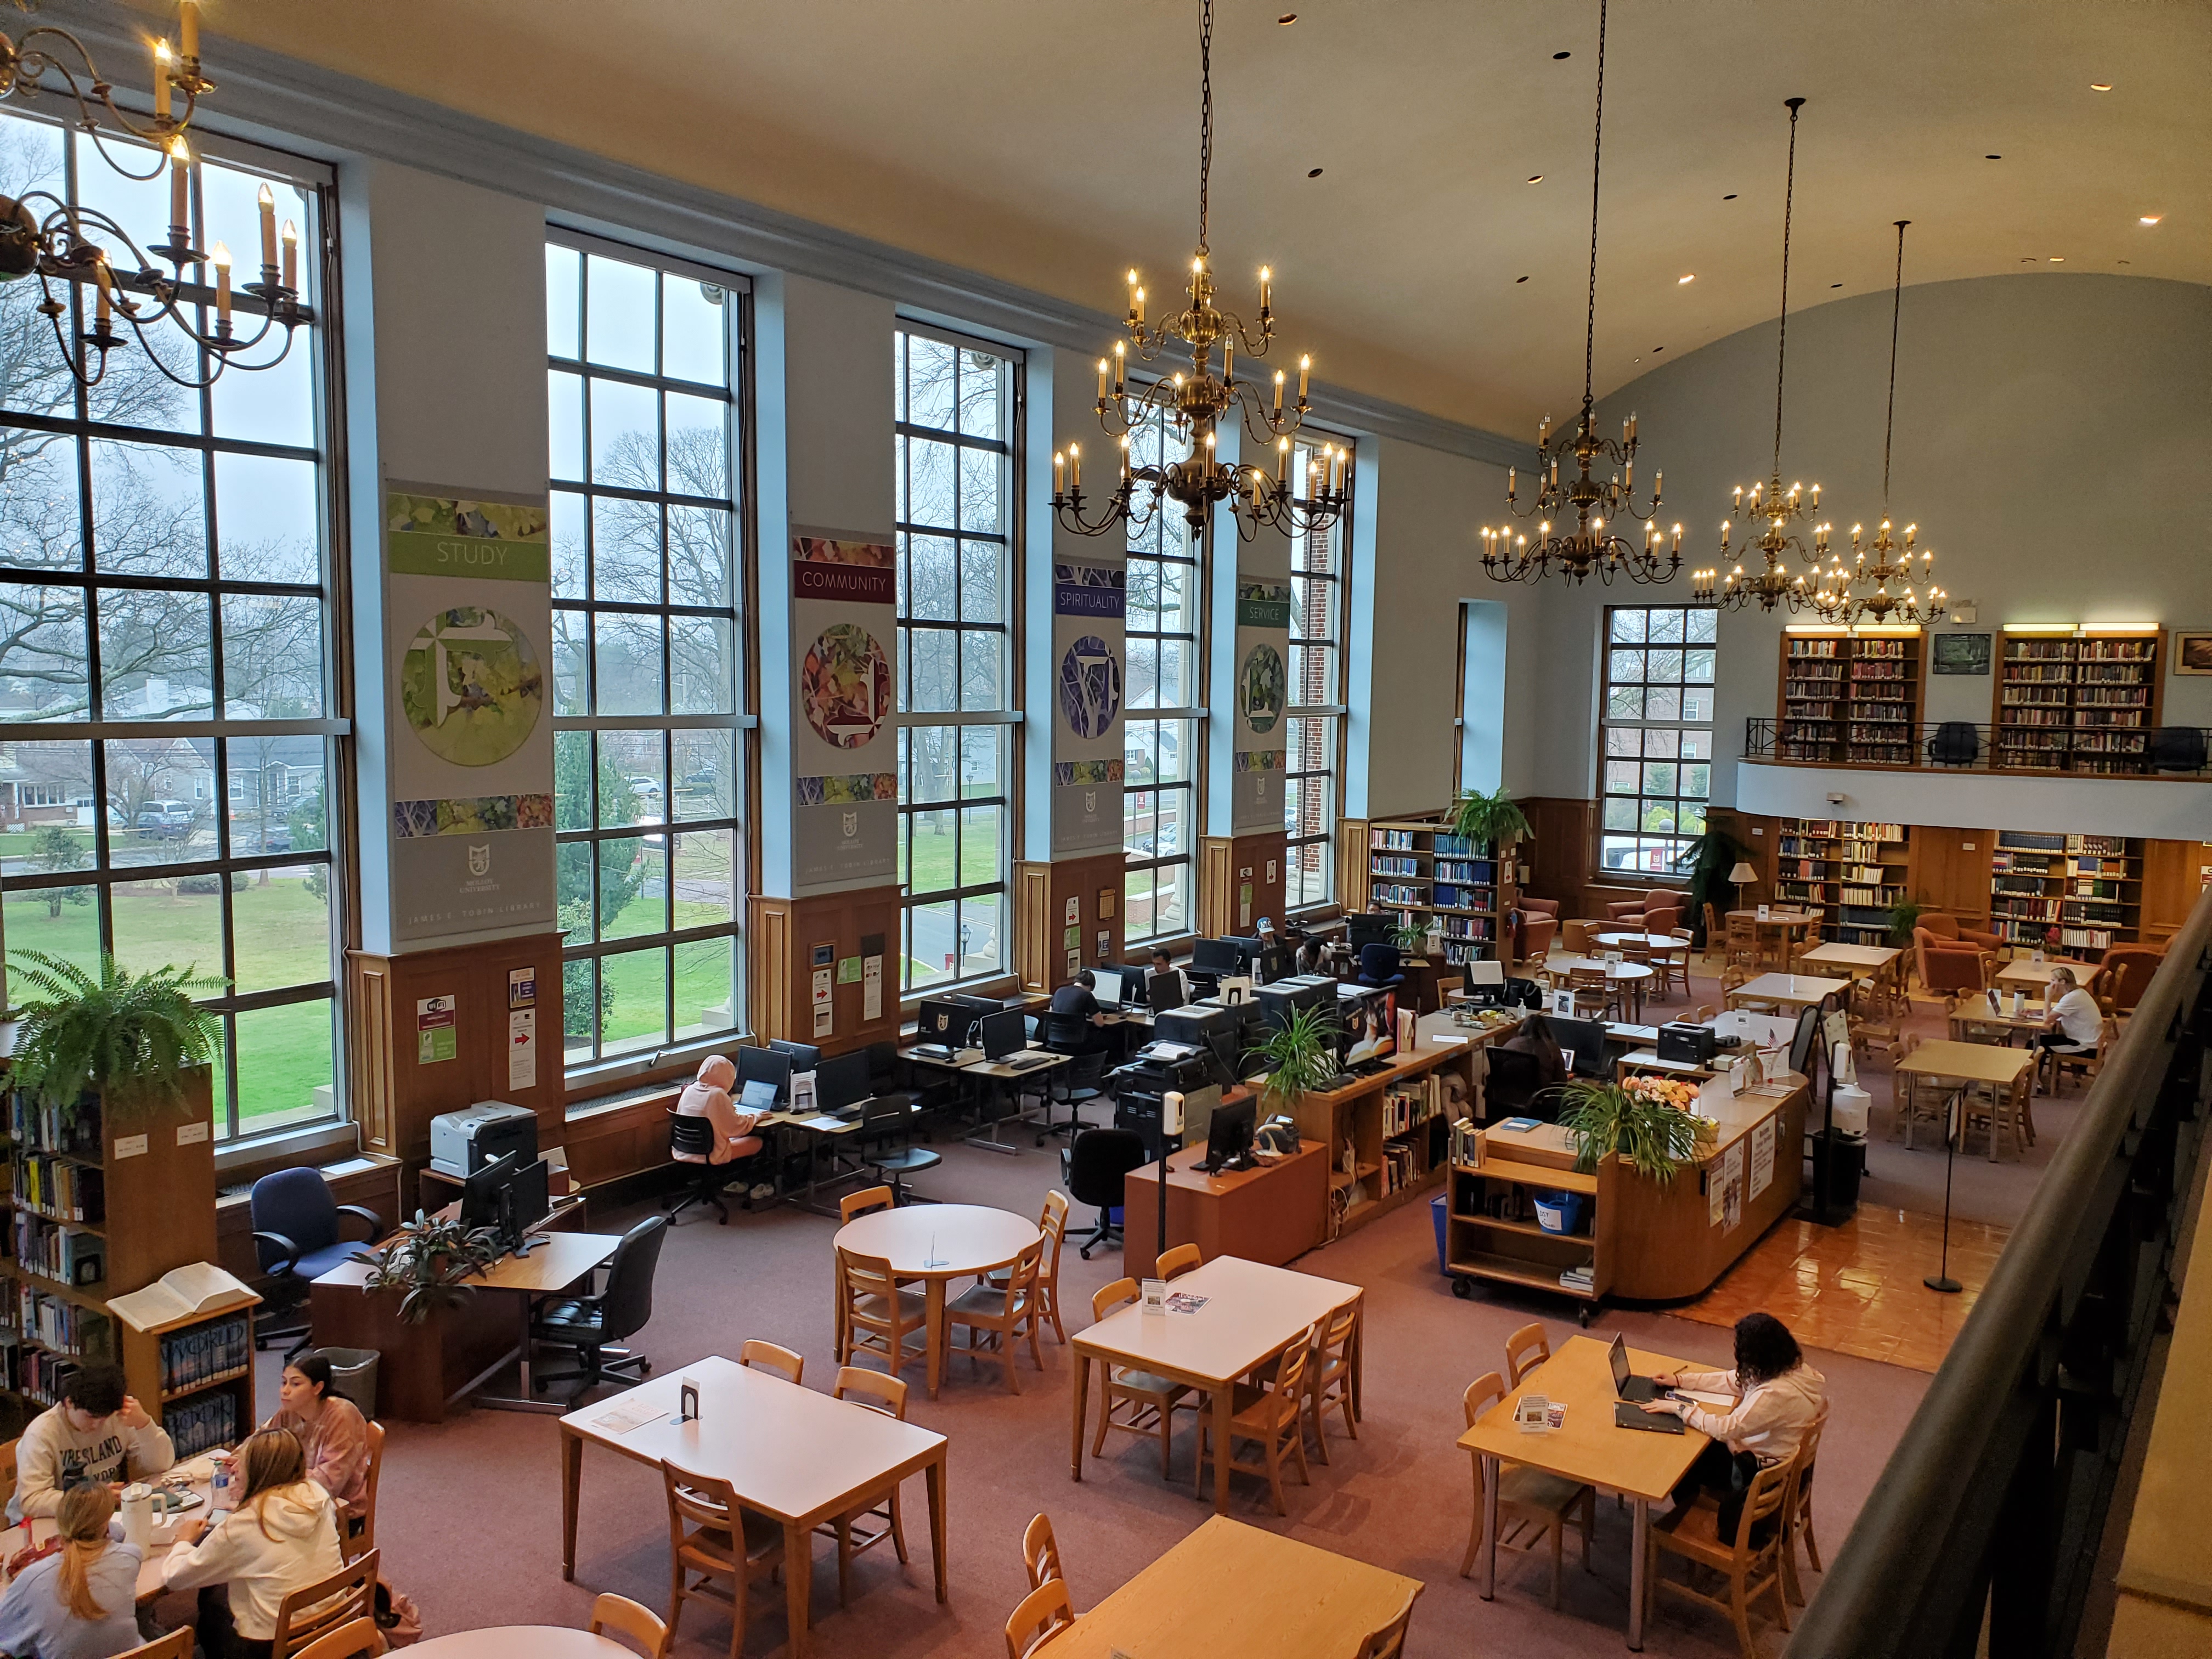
x: 2057, y: 258
x: 1692, y: 278
x: 2100, y: 86
x: 2150, y: 218
x: 1518, y: 281
x: 1658, y: 348
x: 2127, y: 262
x: 1556, y: 56
x: 1535, y: 177
x: 1313, y: 173
x: 1993, y: 158
x: 1287, y: 19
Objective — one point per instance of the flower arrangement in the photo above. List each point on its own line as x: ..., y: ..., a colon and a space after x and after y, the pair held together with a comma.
x: 1663, y: 1091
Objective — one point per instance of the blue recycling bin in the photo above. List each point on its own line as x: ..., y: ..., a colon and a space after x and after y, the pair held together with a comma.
x: 1440, y: 1213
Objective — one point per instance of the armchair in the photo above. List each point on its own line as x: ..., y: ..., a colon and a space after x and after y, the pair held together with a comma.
x: 1946, y: 964
x: 298, y: 1237
x: 1947, y: 927
x: 1537, y: 938
x: 2128, y: 969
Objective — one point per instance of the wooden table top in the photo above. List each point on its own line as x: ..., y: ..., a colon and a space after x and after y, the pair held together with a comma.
x: 2032, y: 975
x: 1039, y: 1061
x: 1588, y: 1446
x: 1791, y: 987
x: 1775, y: 917
x: 151, y: 1585
x: 1974, y: 1062
x: 960, y: 1239
x: 1649, y: 941
x: 789, y: 1452
x: 1873, y: 957
x: 555, y: 1260
x: 1614, y: 971
x: 526, y: 1642
x: 1233, y: 1591
x: 1251, y: 1313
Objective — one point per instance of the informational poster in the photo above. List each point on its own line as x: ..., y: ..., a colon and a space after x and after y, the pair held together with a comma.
x: 1262, y: 698
x: 469, y: 609
x: 437, y: 1037
x: 1088, y: 644
x: 1716, y: 1198
x: 1732, y: 1188
x: 872, y: 989
x: 844, y: 748
x: 825, y: 1004
x: 522, y: 1049
x: 1762, y: 1158
x: 522, y: 987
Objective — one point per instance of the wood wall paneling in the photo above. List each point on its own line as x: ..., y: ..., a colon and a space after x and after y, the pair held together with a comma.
x: 1352, y: 869
x: 2173, y: 876
x: 783, y: 991
x: 1215, y: 871
x: 1224, y: 861
x: 769, y: 966
x: 1949, y: 870
x: 1042, y: 894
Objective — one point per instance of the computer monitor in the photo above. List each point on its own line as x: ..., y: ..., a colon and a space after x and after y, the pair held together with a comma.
x: 1485, y: 977
x: 1367, y: 1025
x: 1228, y: 1134
x: 1106, y: 986
x: 480, y: 1193
x: 1002, y: 1034
x: 1584, y: 1039
x: 524, y: 1201
x: 771, y: 1065
x: 1802, y: 1041
x: 1164, y: 991
x: 943, y: 1020
x: 1370, y: 927
x: 1216, y: 955
x: 805, y: 1056
x: 1270, y: 962
x: 841, y: 1080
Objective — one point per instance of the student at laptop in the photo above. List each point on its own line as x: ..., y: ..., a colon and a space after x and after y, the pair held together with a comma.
x: 1164, y: 968
x: 708, y: 1096
x: 1777, y: 1397
x: 1534, y: 1038
x: 2073, y: 1025
x: 1075, y: 997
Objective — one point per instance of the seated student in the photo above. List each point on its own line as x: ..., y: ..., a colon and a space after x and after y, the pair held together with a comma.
x: 1777, y: 1397
x: 708, y: 1096
x: 1075, y: 997
x: 333, y: 1434
x: 97, y: 1432
x: 1164, y: 968
x: 2074, y: 1020
x: 1535, y: 1040
x: 82, y: 1602
x: 282, y: 1535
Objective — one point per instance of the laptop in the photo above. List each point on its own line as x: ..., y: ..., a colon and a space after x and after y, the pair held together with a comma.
x: 1631, y: 1387
x: 1106, y: 987
x: 1626, y: 1416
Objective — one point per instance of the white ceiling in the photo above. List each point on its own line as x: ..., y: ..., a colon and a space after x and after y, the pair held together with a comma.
x: 1052, y: 143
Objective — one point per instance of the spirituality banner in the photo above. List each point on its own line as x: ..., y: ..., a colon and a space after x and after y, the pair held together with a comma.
x: 1090, y: 649
x: 844, y: 748
x: 469, y: 620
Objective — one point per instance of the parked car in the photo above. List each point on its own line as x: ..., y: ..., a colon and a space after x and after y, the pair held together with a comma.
x: 168, y: 818
x: 644, y: 788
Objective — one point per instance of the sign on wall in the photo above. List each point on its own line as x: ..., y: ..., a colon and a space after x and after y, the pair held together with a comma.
x: 844, y: 747
x: 1090, y: 649
x: 468, y: 637
x: 1262, y: 695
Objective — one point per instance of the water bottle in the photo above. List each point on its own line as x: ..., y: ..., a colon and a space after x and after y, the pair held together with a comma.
x: 219, y: 1498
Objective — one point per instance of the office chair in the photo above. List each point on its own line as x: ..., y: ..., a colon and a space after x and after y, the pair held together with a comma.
x: 2175, y: 749
x: 1082, y: 1078
x: 692, y: 1143
x: 888, y: 1116
x: 1065, y: 1034
x: 1514, y: 1085
x: 591, y: 1325
x: 1096, y: 1163
x: 1378, y: 966
x: 1955, y: 744
x: 297, y: 1238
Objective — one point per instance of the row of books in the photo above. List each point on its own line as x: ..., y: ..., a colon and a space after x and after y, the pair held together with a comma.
x: 42, y: 1126
x: 2117, y: 650
x: 1400, y: 1166
x: 202, y: 1422
x: 65, y: 1191
x: 1388, y: 893
x: 204, y: 1352
x: 1479, y: 872
x: 1455, y: 847
x: 63, y: 1327
x: 1395, y: 840
x: 1477, y: 927
x: 2112, y: 697
x: 1394, y: 867
x: 1408, y: 1104
x: 60, y: 1250
x: 27, y: 1371
x: 2086, y: 939
x: 2109, y: 717
x: 1887, y: 648
x: 2112, y: 673
x: 1461, y: 898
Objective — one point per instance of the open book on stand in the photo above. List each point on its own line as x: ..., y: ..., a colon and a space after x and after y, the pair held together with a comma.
x: 199, y: 1287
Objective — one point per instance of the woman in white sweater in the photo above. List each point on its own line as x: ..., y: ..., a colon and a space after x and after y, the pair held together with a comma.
x: 1778, y: 1397
x: 282, y: 1535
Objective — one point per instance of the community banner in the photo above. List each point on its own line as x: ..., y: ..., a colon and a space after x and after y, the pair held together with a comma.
x: 1263, y: 645
x: 844, y: 748
x: 1090, y: 652
x: 469, y: 620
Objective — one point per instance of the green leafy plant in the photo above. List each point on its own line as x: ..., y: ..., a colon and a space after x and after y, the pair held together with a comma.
x: 1300, y: 1055
x: 1904, y: 916
x: 131, y: 1034
x: 1656, y: 1137
x: 427, y: 1261
x: 1708, y: 859
x: 1494, y: 817
x: 1411, y: 940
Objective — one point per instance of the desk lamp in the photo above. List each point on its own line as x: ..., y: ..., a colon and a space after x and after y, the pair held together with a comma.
x: 1742, y: 874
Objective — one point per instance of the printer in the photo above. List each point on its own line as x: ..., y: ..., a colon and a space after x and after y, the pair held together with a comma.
x: 1141, y: 1088
x: 1688, y: 1043
x: 463, y: 1142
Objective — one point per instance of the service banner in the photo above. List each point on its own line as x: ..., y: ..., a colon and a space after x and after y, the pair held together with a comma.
x: 844, y: 599
x: 1263, y: 646
x: 469, y: 620
x: 1090, y: 650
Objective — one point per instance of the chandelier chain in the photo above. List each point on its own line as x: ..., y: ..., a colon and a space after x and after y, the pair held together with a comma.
x: 1205, y: 117
x: 1597, y: 157
x: 1889, y: 418
x: 1781, y: 338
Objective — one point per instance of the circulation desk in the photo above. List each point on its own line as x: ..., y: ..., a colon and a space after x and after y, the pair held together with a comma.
x: 1644, y: 1240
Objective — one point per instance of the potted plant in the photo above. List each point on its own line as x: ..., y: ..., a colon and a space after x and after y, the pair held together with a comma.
x: 1647, y: 1120
x: 1708, y: 859
x: 126, y: 1039
x: 427, y: 1261
x: 1493, y: 817
x: 1903, y: 917
x: 1300, y: 1055
x: 1411, y: 940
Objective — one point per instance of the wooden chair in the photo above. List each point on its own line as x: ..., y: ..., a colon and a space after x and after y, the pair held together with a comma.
x: 1389, y: 1642
x: 2088, y: 1064
x: 1149, y: 1401
x: 1797, y: 1511
x: 357, y: 1639
x: 1530, y: 1501
x: 1044, y: 1613
x: 1716, y: 931
x: 177, y: 1644
x: 713, y: 1537
x: 996, y: 1316
x: 1744, y: 949
x: 876, y: 1315
x: 302, y: 1618
x: 877, y: 1393
x: 1994, y: 1109
x: 1052, y: 1222
x: 1752, y: 1569
x: 1526, y: 1349
x: 358, y: 1537
x: 1735, y: 975
x: 1673, y: 962
x: 1041, y: 1551
x: 1175, y: 1262
x: 771, y: 1356
x: 1330, y: 1372
x: 1274, y: 1417
x: 866, y: 1201
x: 626, y: 1617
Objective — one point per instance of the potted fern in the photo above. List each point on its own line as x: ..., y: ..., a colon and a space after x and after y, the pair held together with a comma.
x: 1708, y: 859
x: 1300, y: 1055
x: 134, y: 1042
x: 427, y: 1261
x: 1646, y: 1120
x: 1493, y: 817
x: 1904, y: 916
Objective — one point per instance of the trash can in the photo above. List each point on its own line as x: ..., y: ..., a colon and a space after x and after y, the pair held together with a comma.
x: 1440, y: 1213
x: 353, y: 1374
x: 1847, y: 1153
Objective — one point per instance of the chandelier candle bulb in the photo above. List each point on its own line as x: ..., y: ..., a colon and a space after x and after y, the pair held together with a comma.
x: 267, y: 204
x: 1102, y: 379
x: 161, y: 79
x: 1512, y: 477
x: 1228, y: 363
x: 1058, y: 472
x: 291, y: 256
x: 181, y: 164
x: 1265, y: 286
x: 188, y: 23
x: 1125, y: 457
x: 1305, y: 367
x: 105, y: 282
x: 1075, y: 467
x: 1279, y: 394
x: 1121, y: 363
x: 222, y: 256
x: 1282, y: 445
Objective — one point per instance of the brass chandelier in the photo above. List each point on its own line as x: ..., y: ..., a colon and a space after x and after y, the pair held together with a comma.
x: 73, y: 251
x: 1590, y: 548
x: 1892, y: 561
x: 1196, y: 402
x: 1779, y: 509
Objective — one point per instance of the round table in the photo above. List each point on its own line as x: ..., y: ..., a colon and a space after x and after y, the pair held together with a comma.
x: 1642, y: 942
x: 934, y: 1243
x: 525, y: 1642
x: 1629, y: 975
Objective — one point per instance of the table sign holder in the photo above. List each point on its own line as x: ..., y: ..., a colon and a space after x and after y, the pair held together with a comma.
x: 687, y: 1402
x: 1154, y: 1296
x: 932, y: 1260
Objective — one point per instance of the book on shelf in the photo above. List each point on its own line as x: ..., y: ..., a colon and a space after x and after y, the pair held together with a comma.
x: 196, y: 1287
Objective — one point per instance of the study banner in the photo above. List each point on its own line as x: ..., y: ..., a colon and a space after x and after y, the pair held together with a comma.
x: 1263, y: 641
x: 844, y: 761
x: 469, y: 611
x: 1089, y: 647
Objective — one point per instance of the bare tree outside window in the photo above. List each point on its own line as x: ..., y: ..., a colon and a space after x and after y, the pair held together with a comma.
x: 1159, y: 731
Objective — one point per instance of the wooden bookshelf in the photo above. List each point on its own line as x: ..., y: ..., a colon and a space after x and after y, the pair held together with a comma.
x: 1429, y: 877
x: 1850, y: 698
x: 1388, y: 1134
x: 1854, y: 871
x: 2088, y: 887
x: 2077, y: 702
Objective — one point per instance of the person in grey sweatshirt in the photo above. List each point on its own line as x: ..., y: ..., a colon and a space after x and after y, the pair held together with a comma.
x: 96, y: 1432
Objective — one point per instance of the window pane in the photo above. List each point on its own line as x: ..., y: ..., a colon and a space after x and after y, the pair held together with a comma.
x: 700, y: 556
x: 706, y: 890
x: 625, y: 435
x: 282, y: 920
x: 626, y: 553
x: 273, y: 657
x: 620, y: 315
x: 627, y: 656
x: 706, y: 782
x: 286, y: 1066
x: 634, y: 997
x: 149, y: 510
x: 633, y: 886
x: 153, y: 656
x: 269, y: 513
x: 564, y: 301
x: 694, y: 330
x: 706, y: 986
x: 44, y: 663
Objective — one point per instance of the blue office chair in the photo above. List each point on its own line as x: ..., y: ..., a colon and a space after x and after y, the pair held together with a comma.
x: 1378, y: 967
x: 297, y: 1238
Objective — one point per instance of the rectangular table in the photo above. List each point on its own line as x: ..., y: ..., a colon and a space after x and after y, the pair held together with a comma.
x: 1965, y: 1062
x: 2031, y: 976
x: 1252, y: 1313
x: 1791, y: 990
x: 797, y: 1457
x: 1230, y: 1591
x: 1589, y: 1448
x: 1871, y: 961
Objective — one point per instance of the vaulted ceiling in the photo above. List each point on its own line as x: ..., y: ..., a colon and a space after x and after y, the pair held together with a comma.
x: 1054, y: 143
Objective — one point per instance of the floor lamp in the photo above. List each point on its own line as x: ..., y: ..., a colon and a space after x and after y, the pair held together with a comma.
x: 1742, y: 875
x: 1954, y: 1126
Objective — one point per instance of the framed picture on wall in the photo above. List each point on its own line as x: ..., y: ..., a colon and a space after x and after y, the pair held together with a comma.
x: 1960, y: 653
x: 2193, y: 651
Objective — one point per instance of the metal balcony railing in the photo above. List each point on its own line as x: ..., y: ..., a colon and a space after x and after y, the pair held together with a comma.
x: 2161, y: 751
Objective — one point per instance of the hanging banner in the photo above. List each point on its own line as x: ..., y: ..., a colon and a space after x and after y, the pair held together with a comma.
x: 844, y: 748
x: 1263, y: 681
x: 468, y: 598
x: 1089, y: 646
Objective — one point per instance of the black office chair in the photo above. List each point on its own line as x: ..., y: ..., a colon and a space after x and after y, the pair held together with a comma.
x: 1097, y: 1162
x: 591, y: 1325
x: 888, y: 1116
x: 1066, y: 1034
x: 691, y: 1136
x: 1955, y: 744
x: 1378, y: 966
x: 298, y: 1237
x: 1082, y: 1079
x: 1515, y: 1087
x: 2175, y: 749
